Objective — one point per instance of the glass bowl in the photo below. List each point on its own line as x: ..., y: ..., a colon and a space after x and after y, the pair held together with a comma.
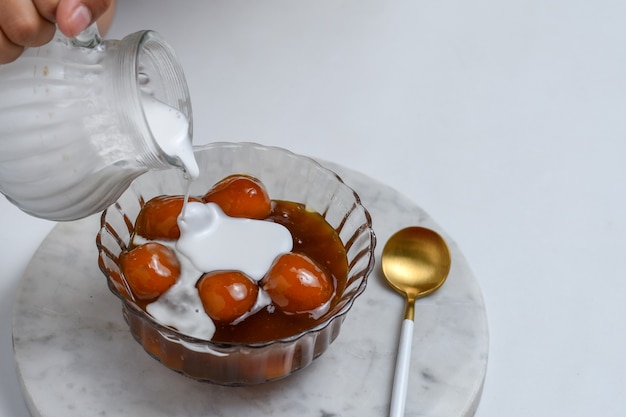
x: 286, y: 176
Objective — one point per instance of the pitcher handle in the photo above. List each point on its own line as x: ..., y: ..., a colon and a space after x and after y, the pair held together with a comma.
x: 88, y: 38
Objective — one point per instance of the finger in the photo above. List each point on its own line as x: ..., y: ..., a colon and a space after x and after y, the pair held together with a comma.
x: 9, y: 51
x: 22, y: 24
x: 47, y: 9
x: 74, y: 16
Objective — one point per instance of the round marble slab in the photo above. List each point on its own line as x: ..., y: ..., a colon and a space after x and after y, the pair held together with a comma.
x: 75, y: 355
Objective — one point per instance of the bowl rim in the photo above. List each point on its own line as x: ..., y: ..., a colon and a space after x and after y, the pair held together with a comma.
x: 166, y: 330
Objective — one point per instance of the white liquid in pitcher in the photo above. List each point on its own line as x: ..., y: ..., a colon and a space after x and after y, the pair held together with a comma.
x: 63, y: 152
x: 170, y: 129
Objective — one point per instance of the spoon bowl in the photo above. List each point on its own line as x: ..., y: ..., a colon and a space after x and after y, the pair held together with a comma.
x: 416, y: 262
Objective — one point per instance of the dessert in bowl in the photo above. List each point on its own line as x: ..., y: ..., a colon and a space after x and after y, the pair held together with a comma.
x: 326, y: 222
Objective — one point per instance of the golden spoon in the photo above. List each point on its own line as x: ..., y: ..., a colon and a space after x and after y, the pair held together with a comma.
x: 415, y: 262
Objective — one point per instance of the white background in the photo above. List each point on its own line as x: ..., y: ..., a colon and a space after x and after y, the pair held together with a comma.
x: 505, y: 120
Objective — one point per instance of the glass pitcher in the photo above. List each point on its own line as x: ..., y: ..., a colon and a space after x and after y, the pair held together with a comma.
x: 74, y: 125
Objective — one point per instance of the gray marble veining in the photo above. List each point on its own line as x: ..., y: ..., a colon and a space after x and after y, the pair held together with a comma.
x: 76, y: 358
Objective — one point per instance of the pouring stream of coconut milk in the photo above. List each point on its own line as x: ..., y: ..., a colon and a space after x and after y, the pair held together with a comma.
x: 209, y: 239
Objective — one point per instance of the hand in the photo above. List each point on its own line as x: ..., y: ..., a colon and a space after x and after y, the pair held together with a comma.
x: 31, y: 23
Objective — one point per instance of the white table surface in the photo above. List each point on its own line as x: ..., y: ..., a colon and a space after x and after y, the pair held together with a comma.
x: 505, y: 121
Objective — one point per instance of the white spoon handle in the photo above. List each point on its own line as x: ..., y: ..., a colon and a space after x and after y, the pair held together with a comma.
x: 401, y: 376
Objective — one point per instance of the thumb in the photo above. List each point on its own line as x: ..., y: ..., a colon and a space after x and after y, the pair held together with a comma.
x: 74, y: 16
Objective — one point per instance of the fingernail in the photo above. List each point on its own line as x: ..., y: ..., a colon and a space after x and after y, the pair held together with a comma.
x: 80, y: 19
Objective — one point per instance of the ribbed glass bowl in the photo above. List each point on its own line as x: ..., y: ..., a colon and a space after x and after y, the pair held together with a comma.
x: 287, y: 176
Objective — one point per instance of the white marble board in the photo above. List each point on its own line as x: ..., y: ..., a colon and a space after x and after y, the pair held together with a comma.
x: 76, y: 358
